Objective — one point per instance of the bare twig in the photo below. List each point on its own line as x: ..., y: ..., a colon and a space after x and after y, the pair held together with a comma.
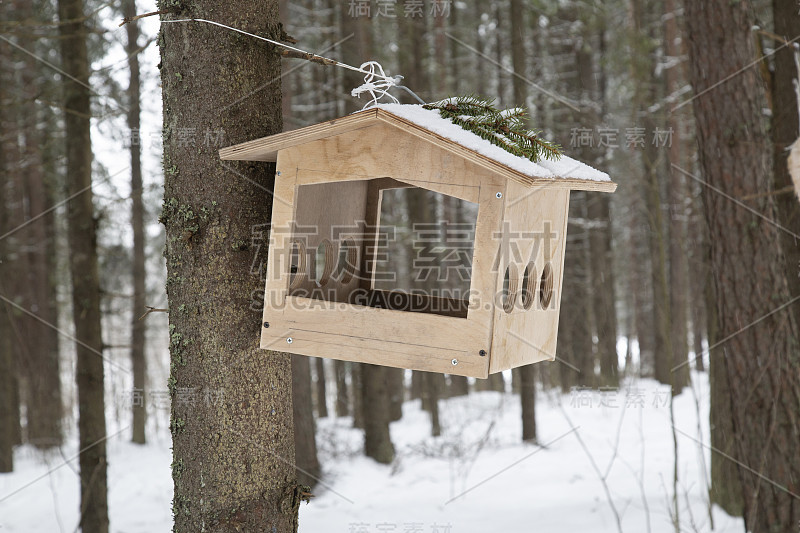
x: 675, y: 504
x: 153, y: 310
x: 597, y: 471
x: 128, y: 20
x: 702, y: 455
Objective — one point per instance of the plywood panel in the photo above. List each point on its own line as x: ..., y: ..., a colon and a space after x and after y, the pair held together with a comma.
x: 382, y: 151
x: 332, y: 212
x: 364, y: 350
x: 532, y: 219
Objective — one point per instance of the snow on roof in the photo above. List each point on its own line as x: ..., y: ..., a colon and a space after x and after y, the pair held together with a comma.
x: 431, y: 120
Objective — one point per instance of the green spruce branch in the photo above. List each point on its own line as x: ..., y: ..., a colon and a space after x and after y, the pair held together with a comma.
x: 504, y: 128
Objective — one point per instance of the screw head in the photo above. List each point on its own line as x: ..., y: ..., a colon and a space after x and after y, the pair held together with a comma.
x: 482, y: 353
x: 278, y: 173
x: 454, y: 361
x: 266, y: 324
x: 289, y: 340
x: 499, y: 195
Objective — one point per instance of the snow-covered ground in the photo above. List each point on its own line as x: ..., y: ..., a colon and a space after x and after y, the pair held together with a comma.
x: 476, y: 477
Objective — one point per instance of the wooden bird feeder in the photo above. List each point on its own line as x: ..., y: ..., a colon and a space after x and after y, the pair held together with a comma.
x: 400, y: 239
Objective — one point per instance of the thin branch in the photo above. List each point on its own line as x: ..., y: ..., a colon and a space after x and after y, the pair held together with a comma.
x: 597, y: 471
x: 153, y: 310
x: 128, y: 20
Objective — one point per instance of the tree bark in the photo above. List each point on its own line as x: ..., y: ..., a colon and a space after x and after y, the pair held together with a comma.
x: 726, y: 489
x: 377, y: 439
x: 761, y: 364
x: 138, y: 360
x: 784, y: 128
x: 232, y: 419
x: 305, y: 443
x: 83, y: 267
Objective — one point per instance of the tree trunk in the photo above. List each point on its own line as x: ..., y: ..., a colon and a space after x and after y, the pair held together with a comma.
x: 416, y: 384
x: 641, y: 292
x: 232, y: 419
x: 699, y: 281
x: 480, y: 46
x: 653, y: 158
x: 44, y: 410
x: 598, y: 209
x: 9, y: 409
x: 518, y: 55
x: 342, y: 399
x: 138, y: 361
x: 357, y: 373
x: 761, y: 363
x: 377, y: 440
x: 322, y: 394
x: 83, y: 267
x: 602, y: 281
x: 784, y: 128
x: 726, y: 488
x: 675, y: 78
x: 575, y: 334
x: 305, y: 444
x: 396, y: 390
x: 459, y: 386
x: 498, y: 55
x: 431, y: 391
x: 527, y: 396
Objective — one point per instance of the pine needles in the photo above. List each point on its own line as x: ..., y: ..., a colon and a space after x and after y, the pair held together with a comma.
x: 504, y: 128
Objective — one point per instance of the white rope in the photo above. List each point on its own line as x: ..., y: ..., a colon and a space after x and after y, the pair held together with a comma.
x: 374, y: 88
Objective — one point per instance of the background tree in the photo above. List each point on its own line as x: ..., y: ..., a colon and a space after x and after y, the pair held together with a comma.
x: 138, y: 360
x: 305, y: 444
x: 784, y: 129
x: 9, y: 408
x: 760, y: 363
x: 89, y: 370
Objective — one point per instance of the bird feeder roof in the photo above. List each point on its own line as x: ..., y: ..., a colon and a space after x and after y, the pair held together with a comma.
x: 565, y: 173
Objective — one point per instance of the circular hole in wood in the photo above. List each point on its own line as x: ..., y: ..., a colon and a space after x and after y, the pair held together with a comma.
x: 546, y: 287
x: 297, y: 264
x: 510, y: 283
x: 348, y: 260
x: 323, y: 264
x: 528, y: 286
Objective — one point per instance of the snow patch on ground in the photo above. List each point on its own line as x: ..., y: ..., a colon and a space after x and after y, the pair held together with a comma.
x: 476, y: 477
